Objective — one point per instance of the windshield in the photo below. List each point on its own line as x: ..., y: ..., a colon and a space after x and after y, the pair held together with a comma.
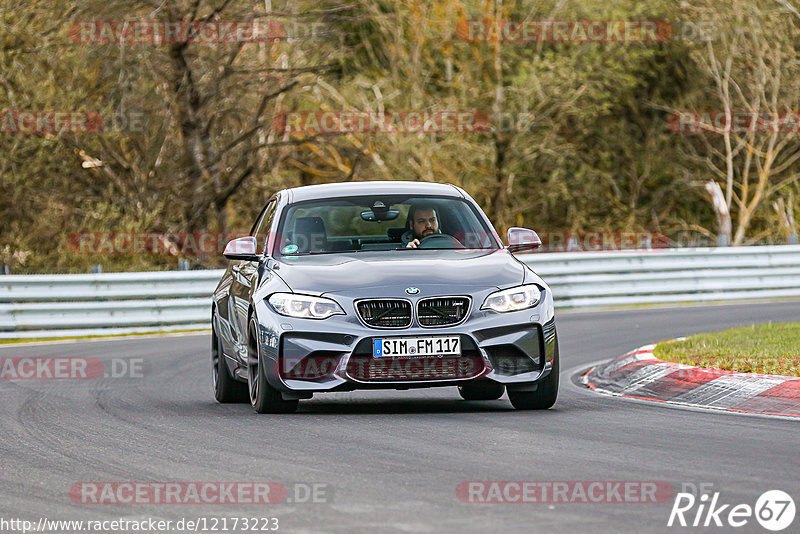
x: 381, y: 223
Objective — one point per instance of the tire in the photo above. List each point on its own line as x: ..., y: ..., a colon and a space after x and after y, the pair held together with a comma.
x: 483, y: 390
x: 227, y: 390
x: 263, y: 397
x: 544, y: 396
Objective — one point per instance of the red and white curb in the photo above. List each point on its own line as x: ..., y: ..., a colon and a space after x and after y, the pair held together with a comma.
x: 641, y: 375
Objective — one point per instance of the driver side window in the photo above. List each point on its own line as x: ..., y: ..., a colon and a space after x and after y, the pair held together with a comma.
x: 262, y: 230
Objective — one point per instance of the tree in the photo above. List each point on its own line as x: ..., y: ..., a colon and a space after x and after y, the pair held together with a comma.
x: 749, y: 138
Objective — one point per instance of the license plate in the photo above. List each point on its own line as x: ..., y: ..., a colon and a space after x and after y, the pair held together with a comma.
x: 416, y: 346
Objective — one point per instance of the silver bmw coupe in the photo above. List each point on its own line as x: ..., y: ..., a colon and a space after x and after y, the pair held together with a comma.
x: 381, y: 285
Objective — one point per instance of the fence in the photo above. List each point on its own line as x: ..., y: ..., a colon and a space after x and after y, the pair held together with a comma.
x: 115, y: 303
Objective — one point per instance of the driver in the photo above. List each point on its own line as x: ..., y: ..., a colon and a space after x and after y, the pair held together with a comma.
x: 421, y: 222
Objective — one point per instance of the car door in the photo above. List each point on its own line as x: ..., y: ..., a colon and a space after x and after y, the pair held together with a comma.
x: 244, y: 276
x: 221, y: 317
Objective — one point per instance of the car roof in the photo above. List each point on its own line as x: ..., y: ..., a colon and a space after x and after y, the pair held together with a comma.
x: 389, y: 187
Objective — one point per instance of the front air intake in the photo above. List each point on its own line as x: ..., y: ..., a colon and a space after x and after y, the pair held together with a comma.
x: 385, y: 313
x: 442, y: 311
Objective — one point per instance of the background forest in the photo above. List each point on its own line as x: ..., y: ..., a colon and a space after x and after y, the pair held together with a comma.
x: 582, y: 138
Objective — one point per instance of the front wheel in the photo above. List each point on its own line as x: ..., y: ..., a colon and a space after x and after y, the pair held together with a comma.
x: 546, y: 393
x: 263, y: 397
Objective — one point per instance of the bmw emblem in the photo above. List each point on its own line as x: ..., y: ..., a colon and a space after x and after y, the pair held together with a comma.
x: 412, y: 290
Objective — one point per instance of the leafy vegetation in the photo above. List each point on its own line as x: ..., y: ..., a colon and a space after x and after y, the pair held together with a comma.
x: 580, y: 136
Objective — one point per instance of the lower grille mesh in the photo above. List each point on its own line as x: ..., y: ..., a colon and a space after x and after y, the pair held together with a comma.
x: 422, y: 368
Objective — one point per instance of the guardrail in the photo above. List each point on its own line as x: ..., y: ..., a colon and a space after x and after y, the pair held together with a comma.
x: 47, y: 306
x: 116, y: 303
x: 670, y: 275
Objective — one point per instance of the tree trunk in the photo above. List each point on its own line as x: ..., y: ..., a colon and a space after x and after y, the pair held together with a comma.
x: 724, y: 226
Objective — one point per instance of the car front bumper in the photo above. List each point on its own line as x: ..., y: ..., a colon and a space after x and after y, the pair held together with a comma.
x: 304, y: 356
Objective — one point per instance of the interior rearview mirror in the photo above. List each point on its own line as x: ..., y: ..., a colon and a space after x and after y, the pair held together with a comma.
x: 378, y: 215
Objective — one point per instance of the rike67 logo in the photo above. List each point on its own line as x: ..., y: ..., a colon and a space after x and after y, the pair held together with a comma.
x: 774, y: 510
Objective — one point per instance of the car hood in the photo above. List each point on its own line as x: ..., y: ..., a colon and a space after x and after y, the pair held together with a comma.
x: 349, y: 272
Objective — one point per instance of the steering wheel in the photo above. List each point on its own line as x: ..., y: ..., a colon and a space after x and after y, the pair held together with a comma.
x: 439, y: 241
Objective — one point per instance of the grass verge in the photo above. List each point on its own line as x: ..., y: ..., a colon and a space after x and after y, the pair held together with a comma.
x: 764, y: 348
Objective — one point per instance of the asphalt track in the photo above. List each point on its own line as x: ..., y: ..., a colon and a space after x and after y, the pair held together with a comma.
x: 391, y: 459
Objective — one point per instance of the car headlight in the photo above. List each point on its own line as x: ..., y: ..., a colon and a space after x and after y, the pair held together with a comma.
x: 304, y: 306
x: 513, y: 299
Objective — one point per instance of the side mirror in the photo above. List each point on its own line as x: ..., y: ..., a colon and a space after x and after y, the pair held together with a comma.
x: 242, y: 248
x: 521, y: 239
